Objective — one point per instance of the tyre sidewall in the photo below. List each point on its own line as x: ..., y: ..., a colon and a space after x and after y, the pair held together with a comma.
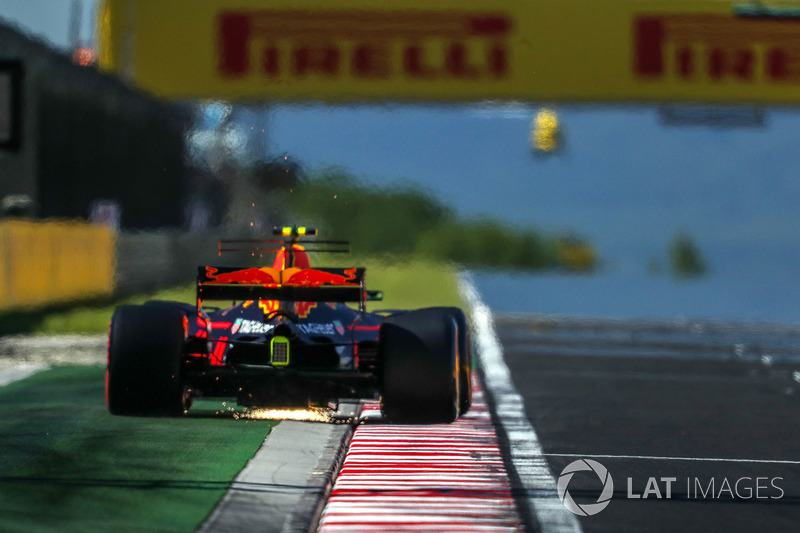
x: 144, y: 365
x: 419, y: 367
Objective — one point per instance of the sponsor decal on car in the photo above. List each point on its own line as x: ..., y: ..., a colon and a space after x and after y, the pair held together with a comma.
x: 302, y: 309
x: 251, y: 326
x: 317, y: 329
x: 339, y: 327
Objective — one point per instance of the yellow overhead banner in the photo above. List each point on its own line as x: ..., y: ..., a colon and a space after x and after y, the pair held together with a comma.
x: 361, y: 50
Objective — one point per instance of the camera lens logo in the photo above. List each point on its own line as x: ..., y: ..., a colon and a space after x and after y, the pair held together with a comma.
x: 587, y: 509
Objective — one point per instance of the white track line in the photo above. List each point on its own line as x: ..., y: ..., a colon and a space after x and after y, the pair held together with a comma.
x: 20, y: 371
x: 663, y: 458
x: 526, y: 452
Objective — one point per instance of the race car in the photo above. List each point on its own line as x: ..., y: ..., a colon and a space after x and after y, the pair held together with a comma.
x: 293, y: 336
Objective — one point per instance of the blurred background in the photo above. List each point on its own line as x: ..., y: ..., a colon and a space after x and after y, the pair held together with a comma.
x: 582, y: 205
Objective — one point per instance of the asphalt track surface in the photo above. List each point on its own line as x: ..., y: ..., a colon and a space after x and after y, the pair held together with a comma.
x: 701, y: 403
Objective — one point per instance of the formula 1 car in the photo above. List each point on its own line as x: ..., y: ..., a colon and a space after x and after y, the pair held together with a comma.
x: 295, y: 336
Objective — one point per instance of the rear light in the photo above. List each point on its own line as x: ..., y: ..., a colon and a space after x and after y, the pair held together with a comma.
x: 279, y: 351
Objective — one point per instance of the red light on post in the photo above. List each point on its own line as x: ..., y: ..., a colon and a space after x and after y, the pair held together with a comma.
x: 84, y: 57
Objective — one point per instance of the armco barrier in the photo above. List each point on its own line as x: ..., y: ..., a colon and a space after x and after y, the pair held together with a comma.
x: 45, y: 263
x: 151, y: 260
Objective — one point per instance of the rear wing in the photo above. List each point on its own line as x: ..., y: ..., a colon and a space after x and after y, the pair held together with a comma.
x: 292, y: 236
x: 291, y: 284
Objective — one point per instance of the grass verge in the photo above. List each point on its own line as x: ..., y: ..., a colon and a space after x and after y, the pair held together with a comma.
x: 68, y: 465
x: 412, y: 284
x: 81, y: 317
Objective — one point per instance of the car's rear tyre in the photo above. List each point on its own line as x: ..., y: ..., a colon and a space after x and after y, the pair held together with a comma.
x: 464, y: 359
x: 419, y: 367
x: 144, y: 361
x: 185, y: 307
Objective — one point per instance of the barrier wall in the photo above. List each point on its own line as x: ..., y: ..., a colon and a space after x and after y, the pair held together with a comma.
x: 45, y: 263
x: 148, y: 261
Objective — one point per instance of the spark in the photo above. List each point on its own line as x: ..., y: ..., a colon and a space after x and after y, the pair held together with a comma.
x: 302, y: 415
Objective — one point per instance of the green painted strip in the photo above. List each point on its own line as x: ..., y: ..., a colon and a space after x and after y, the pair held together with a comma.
x: 67, y: 465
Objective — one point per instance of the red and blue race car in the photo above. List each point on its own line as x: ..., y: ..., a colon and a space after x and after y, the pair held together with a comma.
x: 294, y: 336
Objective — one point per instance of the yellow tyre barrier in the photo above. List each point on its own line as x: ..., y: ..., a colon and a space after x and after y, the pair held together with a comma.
x: 45, y: 263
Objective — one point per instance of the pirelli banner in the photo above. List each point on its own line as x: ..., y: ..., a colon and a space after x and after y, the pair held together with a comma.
x: 544, y: 50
